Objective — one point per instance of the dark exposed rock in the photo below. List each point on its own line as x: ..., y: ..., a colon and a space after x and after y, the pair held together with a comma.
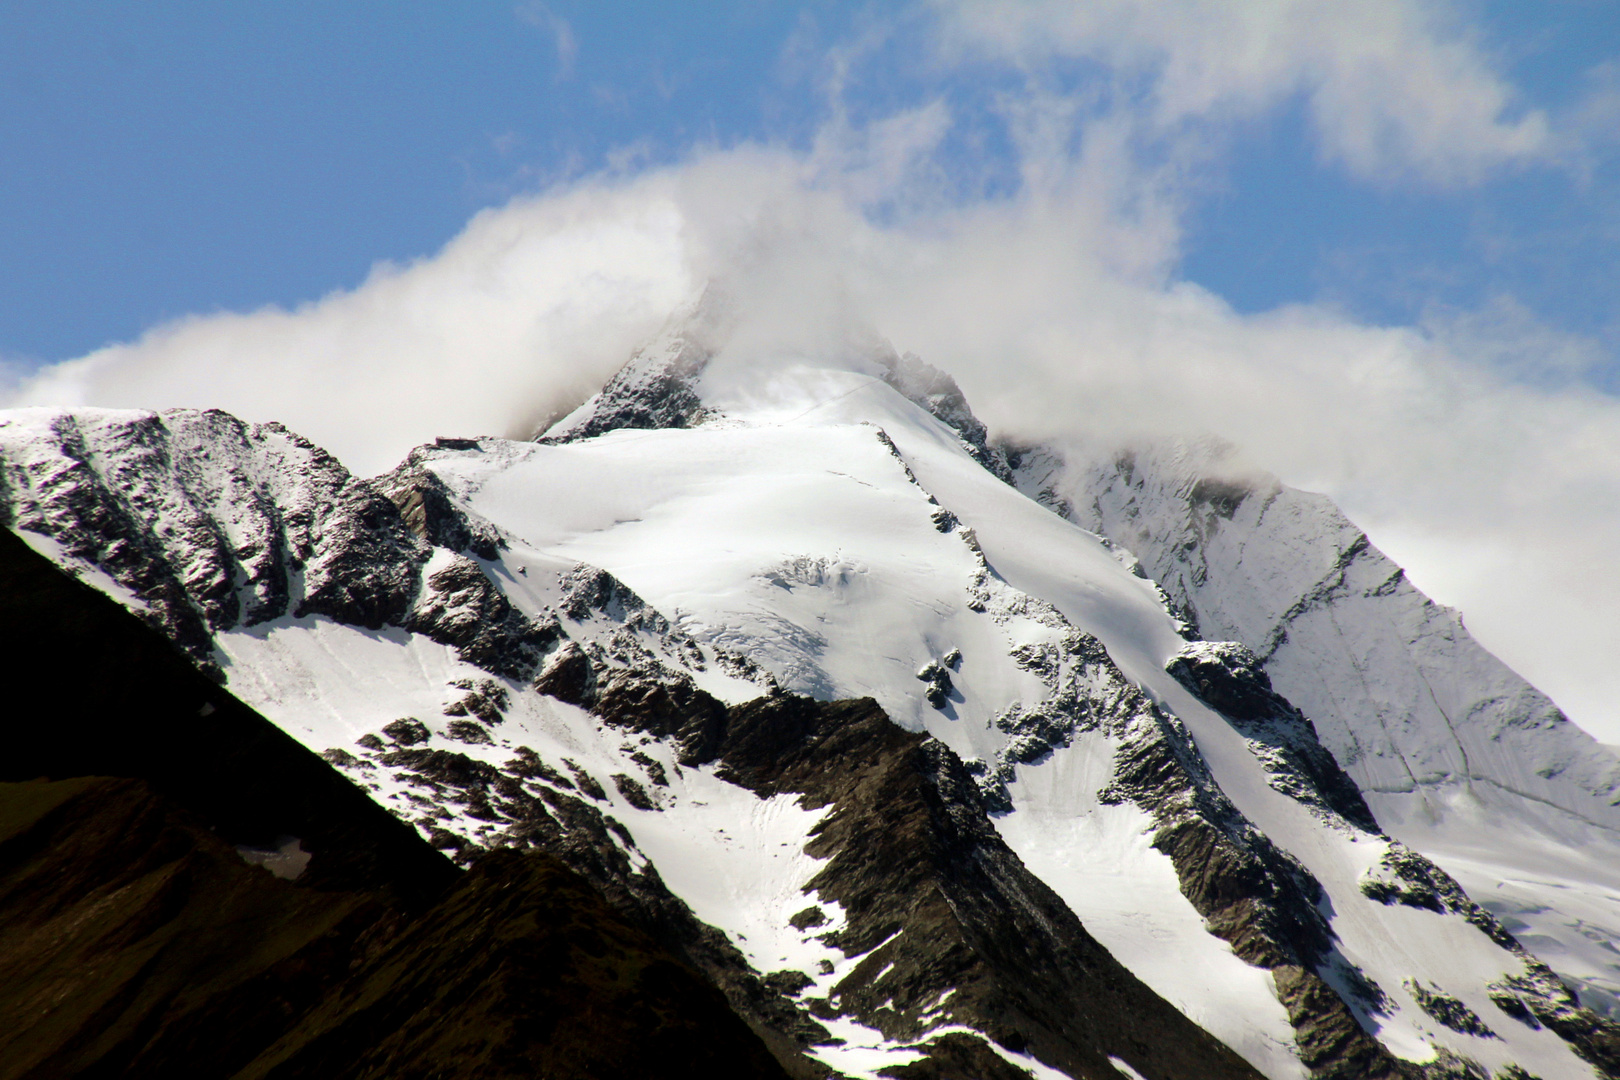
x: 1332, y: 1043
x: 810, y: 916
x: 1542, y: 995
x: 933, y: 390
x: 1229, y: 679
x: 633, y: 792
x: 1402, y: 876
x: 586, y: 782
x: 461, y: 607
x: 1448, y: 1010
x: 956, y: 1056
x: 938, y: 679
x: 788, y: 983
x: 483, y: 698
x: 656, y: 388
x: 1249, y: 892
x: 429, y: 510
x: 588, y: 590
x: 654, y: 768
x: 568, y: 676
x: 468, y: 731
x: 407, y: 731
x: 908, y: 849
x: 663, y: 706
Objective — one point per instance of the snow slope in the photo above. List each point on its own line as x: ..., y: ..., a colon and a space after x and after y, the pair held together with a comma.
x: 787, y: 529
x: 1457, y: 755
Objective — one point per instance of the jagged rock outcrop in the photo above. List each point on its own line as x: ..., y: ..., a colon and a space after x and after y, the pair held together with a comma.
x: 936, y: 902
x: 209, y: 523
x: 934, y: 390
x: 430, y: 510
x: 1229, y: 678
x: 656, y: 388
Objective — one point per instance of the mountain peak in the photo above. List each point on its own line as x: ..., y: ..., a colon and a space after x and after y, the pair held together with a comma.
x: 661, y: 385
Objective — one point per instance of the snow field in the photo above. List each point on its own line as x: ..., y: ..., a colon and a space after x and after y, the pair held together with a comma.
x: 1100, y: 860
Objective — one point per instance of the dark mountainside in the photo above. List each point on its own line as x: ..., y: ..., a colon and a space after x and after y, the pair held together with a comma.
x: 136, y: 940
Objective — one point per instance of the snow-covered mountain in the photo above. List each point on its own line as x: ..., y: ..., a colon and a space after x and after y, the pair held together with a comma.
x: 806, y: 675
x: 1456, y: 755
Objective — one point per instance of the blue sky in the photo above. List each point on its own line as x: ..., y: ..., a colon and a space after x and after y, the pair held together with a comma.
x: 1376, y: 244
x: 166, y: 158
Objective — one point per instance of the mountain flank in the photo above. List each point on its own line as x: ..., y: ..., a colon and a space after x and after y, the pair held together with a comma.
x: 141, y: 937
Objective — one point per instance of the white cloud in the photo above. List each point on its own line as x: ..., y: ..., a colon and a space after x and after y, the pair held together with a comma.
x: 1495, y: 474
x: 1395, y: 88
x: 532, y: 303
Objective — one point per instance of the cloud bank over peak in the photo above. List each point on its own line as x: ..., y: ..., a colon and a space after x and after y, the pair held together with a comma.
x: 1467, y: 445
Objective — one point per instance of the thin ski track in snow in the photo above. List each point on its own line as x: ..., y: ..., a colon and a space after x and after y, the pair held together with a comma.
x: 843, y: 534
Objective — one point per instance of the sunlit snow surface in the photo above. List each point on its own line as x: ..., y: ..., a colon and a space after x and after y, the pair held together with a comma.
x: 787, y: 530
x: 1457, y: 755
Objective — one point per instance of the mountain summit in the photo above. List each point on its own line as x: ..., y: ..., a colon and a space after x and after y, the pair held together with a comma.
x: 936, y: 757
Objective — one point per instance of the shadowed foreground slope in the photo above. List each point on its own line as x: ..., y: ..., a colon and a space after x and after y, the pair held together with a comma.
x: 135, y: 940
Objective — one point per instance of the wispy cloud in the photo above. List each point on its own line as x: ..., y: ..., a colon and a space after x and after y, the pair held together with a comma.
x: 1396, y: 89
x: 541, y: 17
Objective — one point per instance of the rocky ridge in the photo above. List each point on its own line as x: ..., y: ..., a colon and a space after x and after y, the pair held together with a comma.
x: 1445, y: 742
x: 1247, y: 559
x: 186, y: 890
